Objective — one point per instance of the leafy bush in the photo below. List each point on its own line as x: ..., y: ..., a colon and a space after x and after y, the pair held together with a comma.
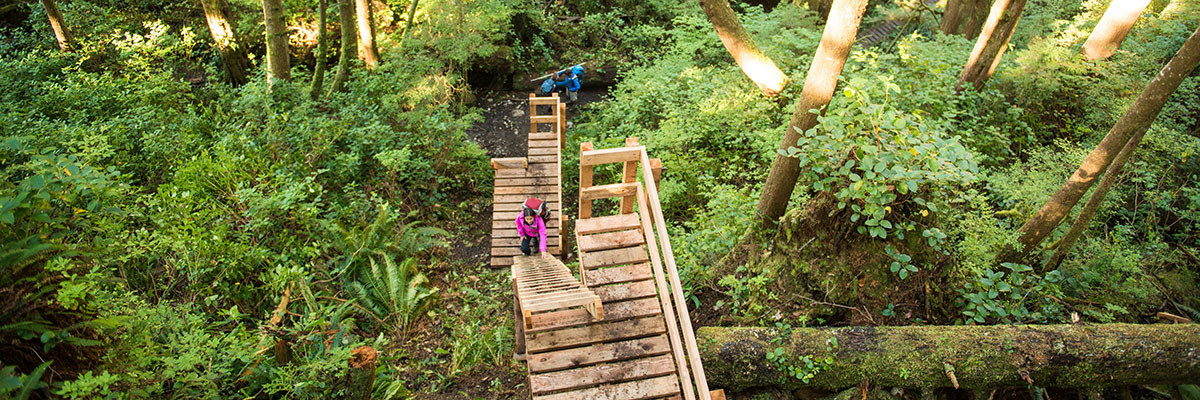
x: 397, y: 294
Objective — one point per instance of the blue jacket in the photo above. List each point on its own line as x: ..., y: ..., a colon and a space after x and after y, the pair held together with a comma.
x: 575, y: 81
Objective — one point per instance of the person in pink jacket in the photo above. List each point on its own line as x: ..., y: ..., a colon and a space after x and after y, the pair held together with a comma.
x: 532, y: 228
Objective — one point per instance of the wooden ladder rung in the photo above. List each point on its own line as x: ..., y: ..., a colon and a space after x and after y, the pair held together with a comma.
x: 607, y: 223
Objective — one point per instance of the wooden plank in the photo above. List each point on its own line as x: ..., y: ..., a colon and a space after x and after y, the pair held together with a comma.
x: 600, y: 374
x: 636, y: 390
x: 511, y: 162
x: 516, y: 242
x: 629, y: 175
x: 543, y: 119
x: 543, y: 101
x: 604, y: 258
x: 504, y: 261
x: 599, y: 332
x: 607, y: 223
x: 625, y: 291
x: 543, y: 143
x: 543, y: 159
x: 525, y: 189
x: 608, y: 191
x: 511, y: 215
x: 606, y: 352
x: 615, y: 311
x: 608, y: 156
x: 543, y: 151
x: 629, y: 273
x: 539, y: 181
x: 503, y: 207
x: 510, y: 231
x: 534, y: 170
x: 543, y: 136
x: 610, y: 240
x: 585, y: 181
x: 516, y: 251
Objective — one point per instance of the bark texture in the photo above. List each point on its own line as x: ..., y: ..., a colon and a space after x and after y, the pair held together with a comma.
x: 1134, y: 122
x: 278, y: 61
x: 1112, y: 28
x: 993, y: 40
x: 412, y: 11
x: 821, y: 7
x: 322, y: 50
x: 233, y: 55
x: 349, y: 43
x: 756, y: 65
x: 819, y: 85
x: 66, y: 42
x: 367, y: 51
x: 1064, y: 356
x: 362, y: 373
x: 964, y: 17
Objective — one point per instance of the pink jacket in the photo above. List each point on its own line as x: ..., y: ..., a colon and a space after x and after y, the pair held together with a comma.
x: 528, y: 231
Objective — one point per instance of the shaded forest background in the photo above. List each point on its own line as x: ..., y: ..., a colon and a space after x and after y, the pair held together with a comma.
x: 168, y: 229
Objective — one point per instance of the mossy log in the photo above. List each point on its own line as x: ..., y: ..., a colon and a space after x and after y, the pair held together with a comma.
x: 1060, y: 356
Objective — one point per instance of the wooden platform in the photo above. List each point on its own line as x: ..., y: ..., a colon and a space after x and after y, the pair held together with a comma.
x: 644, y: 347
x: 539, y: 174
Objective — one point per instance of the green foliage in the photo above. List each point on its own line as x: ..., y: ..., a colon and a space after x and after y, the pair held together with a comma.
x: 801, y: 368
x: 1017, y: 295
x: 396, y: 294
x: 22, y: 385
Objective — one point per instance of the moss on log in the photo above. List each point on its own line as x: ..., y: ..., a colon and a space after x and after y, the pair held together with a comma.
x: 980, y: 356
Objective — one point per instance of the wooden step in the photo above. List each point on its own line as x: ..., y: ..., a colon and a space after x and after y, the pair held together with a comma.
x: 516, y: 241
x: 551, y: 188
x: 629, y: 273
x: 597, y: 375
x: 607, y: 223
x: 516, y: 251
x: 542, y: 151
x: 539, y: 170
x: 543, y: 159
x: 543, y: 143
x: 607, y: 352
x: 614, y: 311
x: 511, y: 223
x: 543, y: 119
x: 663, y: 386
x: 608, y: 191
x: 543, y: 136
x: 504, y: 261
x: 542, y: 181
x: 511, y: 215
x: 610, y: 240
x: 518, y: 206
x: 625, y: 291
x: 605, y: 258
x: 600, y: 332
x: 509, y: 231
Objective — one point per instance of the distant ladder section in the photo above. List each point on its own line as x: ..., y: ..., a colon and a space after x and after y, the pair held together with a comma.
x: 644, y: 347
x: 539, y: 174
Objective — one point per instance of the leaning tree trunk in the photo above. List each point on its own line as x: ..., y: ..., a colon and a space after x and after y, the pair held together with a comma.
x: 366, y: 34
x: 819, y: 85
x: 756, y: 65
x: 964, y: 17
x: 278, y: 63
x: 322, y: 50
x: 346, y: 17
x: 233, y: 55
x: 66, y: 42
x: 992, y: 42
x: 981, y: 357
x: 1112, y: 28
x: 821, y: 7
x: 1134, y: 122
x: 408, y: 21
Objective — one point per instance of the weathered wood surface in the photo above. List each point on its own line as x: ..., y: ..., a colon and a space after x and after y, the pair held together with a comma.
x: 1063, y: 356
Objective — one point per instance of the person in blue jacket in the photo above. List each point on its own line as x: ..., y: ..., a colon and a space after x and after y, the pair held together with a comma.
x: 553, y: 83
x: 574, y: 83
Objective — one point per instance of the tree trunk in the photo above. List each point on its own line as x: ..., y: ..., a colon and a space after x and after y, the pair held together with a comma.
x: 362, y: 373
x: 233, y: 55
x: 992, y: 42
x: 322, y: 50
x: 756, y: 65
x: 821, y: 7
x: 1133, y: 123
x: 1112, y: 28
x: 349, y: 43
x: 66, y: 42
x: 278, y: 63
x: 964, y: 17
x: 412, y: 11
x: 980, y: 357
x: 819, y: 85
x: 366, y: 34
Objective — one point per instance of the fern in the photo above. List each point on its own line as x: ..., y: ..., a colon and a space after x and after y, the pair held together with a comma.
x: 383, y: 234
x: 396, y: 294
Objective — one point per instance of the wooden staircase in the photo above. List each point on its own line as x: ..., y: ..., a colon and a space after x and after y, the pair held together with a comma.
x: 644, y: 348
x: 536, y: 175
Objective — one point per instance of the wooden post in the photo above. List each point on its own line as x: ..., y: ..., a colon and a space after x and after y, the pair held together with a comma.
x: 562, y: 126
x: 532, y: 113
x: 362, y: 372
x: 518, y: 325
x: 629, y: 175
x: 585, y: 181
x: 656, y: 170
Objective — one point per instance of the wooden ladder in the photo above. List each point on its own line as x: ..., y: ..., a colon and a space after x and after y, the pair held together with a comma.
x: 637, y: 351
x: 539, y: 174
x: 543, y: 284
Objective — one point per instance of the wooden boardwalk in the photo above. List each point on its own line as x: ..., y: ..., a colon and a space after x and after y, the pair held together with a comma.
x: 539, y: 174
x: 643, y: 346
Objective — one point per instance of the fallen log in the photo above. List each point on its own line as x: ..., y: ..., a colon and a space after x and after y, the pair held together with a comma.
x: 1061, y: 356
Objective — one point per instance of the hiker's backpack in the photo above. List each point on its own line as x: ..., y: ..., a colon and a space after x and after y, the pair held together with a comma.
x: 538, y: 206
